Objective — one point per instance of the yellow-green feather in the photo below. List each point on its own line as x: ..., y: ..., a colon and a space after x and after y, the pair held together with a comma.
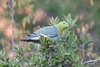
x: 61, y: 27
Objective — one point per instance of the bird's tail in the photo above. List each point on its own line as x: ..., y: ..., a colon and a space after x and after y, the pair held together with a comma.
x: 26, y: 39
x: 30, y: 39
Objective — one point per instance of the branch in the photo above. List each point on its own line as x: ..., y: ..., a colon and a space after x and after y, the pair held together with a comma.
x: 12, y: 39
x: 91, y: 61
x: 81, y: 46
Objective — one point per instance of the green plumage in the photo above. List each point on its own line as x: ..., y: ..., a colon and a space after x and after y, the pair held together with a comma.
x: 52, y: 32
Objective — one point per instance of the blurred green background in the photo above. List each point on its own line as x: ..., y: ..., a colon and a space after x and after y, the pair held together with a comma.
x: 31, y: 15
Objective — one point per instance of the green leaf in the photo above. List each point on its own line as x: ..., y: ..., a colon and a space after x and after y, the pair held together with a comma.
x: 54, y: 21
x: 67, y: 53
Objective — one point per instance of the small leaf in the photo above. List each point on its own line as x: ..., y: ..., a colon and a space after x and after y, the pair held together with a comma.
x: 67, y: 53
x: 74, y: 21
x: 54, y: 21
x: 69, y: 16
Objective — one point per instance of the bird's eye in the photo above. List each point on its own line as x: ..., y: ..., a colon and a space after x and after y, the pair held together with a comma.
x: 63, y: 23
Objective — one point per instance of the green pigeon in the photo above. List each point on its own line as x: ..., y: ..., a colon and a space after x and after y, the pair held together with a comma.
x: 53, y: 32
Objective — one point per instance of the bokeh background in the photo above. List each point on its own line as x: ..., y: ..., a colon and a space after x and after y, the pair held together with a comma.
x: 30, y: 15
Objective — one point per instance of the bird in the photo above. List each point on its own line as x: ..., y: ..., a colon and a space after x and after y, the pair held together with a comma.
x: 52, y: 32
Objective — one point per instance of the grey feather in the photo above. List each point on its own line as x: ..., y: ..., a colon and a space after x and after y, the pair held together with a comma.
x: 49, y: 31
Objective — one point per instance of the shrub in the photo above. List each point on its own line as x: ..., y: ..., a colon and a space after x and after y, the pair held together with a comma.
x: 63, y: 53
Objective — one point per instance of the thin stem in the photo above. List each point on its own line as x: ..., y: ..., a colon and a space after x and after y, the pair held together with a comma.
x: 91, y: 61
x: 12, y: 39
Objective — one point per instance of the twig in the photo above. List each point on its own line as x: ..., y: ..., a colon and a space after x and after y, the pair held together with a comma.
x: 81, y: 46
x: 12, y: 39
x: 91, y: 61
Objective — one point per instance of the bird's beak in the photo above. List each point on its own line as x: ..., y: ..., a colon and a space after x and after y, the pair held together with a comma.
x: 67, y: 25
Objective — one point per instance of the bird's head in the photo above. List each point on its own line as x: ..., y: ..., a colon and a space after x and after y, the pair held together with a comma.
x: 63, y: 25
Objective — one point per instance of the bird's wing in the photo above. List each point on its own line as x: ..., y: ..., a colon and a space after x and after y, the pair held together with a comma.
x: 49, y: 31
x: 31, y: 34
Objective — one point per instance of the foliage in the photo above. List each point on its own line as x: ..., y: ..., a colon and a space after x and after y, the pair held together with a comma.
x: 62, y: 53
